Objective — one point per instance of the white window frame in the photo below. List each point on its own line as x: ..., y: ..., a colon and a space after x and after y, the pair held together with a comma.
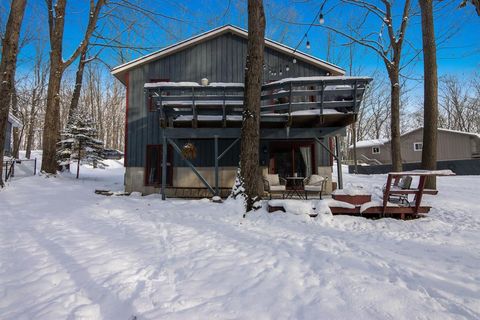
x: 415, y: 146
x: 373, y: 150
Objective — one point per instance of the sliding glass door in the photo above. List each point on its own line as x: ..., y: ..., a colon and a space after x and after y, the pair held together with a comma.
x: 289, y: 158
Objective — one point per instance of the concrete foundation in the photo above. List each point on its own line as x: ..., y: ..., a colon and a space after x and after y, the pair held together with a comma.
x: 187, y: 185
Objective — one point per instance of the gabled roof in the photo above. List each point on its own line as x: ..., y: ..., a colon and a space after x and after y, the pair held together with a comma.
x: 119, y: 70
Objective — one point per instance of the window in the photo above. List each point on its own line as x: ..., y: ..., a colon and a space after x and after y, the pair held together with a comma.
x: 375, y: 150
x: 417, y: 146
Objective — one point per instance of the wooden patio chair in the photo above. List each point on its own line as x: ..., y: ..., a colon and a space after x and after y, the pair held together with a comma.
x: 402, y: 183
x: 314, y: 184
x: 272, y: 183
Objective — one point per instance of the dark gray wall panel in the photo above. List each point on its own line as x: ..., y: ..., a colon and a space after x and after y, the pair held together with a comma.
x: 221, y: 59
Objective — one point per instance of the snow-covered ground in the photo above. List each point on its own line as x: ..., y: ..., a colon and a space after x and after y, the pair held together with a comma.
x: 67, y: 253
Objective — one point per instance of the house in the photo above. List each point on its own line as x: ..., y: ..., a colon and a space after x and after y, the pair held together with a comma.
x: 12, y: 122
x: 451, y: 145
x: 184, y: 110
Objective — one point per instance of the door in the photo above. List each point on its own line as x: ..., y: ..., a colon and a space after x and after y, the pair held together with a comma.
x: 153, y: 170
x: 289, y: 158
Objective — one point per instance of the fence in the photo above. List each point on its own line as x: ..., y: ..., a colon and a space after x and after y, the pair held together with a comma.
x: 19, y: 168
x: 460, y: 167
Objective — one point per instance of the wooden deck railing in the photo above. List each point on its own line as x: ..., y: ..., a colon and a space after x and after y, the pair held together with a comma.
x: 280, y: 101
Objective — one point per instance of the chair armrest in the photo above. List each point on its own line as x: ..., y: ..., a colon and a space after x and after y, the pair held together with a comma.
x: 283, y: 181
x: 306, y: 180
x: 266, y: 184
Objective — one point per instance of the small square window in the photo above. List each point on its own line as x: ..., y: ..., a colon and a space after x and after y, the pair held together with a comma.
x: 417, y: 146
x: 375, y: 150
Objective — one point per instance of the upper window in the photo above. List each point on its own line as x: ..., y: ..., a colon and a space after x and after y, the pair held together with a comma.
x: 375, y: 150
x: 417, y: 146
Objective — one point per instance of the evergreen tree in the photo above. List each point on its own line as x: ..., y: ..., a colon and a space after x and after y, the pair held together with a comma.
x: 79, y: 143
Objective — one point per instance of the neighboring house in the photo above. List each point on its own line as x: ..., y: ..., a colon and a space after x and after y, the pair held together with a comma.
x: 12, y: 122
x: 188, y: 99
x: 451, y: 145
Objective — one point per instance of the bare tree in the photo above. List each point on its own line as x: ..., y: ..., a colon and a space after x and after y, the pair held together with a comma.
x: 7, y: 67
x: 56, y: 23
x: 250, y: 136
x: 389, y: 49
x: 476, y: 3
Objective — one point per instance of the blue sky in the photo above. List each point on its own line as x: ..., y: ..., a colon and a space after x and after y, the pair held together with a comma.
x: 458, y: 53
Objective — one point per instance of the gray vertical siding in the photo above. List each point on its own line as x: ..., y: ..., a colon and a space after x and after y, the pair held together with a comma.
x: 221, y: 59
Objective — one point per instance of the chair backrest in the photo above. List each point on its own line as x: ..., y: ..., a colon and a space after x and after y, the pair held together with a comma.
x: 405, y: 182
x: 315, y: 178
x: 273, y: 179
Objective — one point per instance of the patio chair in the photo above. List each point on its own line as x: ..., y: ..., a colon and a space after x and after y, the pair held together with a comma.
x: 272, y: 183
x: 404, y: 183
x: 314, y: 184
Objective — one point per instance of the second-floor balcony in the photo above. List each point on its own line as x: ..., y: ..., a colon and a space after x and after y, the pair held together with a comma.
x: 293, y: 102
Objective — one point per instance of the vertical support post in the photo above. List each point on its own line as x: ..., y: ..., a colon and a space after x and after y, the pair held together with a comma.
x: 194, y: 109
x: 164, y: 166
x: 339, y: 163
x: 35, y: 167
x: 216, y: 166
x: 224, y: 114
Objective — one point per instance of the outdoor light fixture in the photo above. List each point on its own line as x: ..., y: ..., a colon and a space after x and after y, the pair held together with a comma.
x: 287, y: 68
x: 308, y: 44
x: 321, y: 19
x: 280, y: 72
x: 294, y: 60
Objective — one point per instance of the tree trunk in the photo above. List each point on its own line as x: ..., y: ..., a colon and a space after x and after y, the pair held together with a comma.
x: 7, y: 67
x: 51, y: 127
x: 430, y: 85
x: 395, y: 122
x: 250, y: 136
x: 31, y: 125
x: 56, y: 24
x: 16, y: 132
x: 78, y: 85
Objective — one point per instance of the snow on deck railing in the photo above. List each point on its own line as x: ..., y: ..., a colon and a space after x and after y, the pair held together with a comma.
x: 306, y: 96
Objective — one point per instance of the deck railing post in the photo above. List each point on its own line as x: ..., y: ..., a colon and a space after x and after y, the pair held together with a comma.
x: 339, y: 163
x: 35, y: 167
x: 224, y: 114
x: 216, y: 165
x: 194, y: 109
x: 164, y: 166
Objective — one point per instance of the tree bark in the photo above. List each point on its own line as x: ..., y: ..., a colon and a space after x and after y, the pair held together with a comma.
x: 250, y: 135
x: 78, y: 84
x: 56, y: 23
x: 7, y: 68
x: 16, y: 132
x: 395, y: 144
x: 430, y: 86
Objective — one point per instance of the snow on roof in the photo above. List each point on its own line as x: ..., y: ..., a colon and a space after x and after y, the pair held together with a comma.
x: 319, y: 78
x: 379, y: 142
x: 370, y: 143
x: 191, y: 84
x: 461, y: 132
x: 220, y: 30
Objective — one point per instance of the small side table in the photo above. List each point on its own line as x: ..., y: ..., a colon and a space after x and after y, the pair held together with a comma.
x: 296, y: 187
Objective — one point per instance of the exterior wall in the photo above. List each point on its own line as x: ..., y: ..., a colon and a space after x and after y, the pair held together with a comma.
x: 8, y: 137
x: 183, y: 177
x: 450, y: 146
x: 221, y: 59
x: 384, y: 155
